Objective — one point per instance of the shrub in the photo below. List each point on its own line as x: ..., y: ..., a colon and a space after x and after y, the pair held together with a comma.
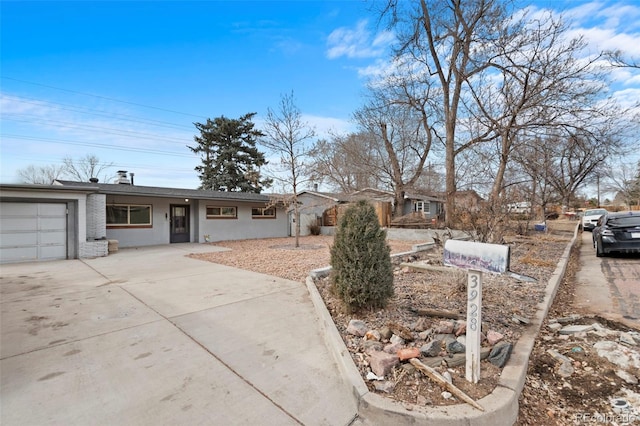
x: 315, y: 229
x: 362, y: 273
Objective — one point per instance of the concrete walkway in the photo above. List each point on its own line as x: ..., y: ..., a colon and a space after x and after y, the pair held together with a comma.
x: 149, y: 336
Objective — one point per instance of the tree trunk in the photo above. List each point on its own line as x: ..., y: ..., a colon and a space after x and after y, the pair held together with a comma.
x: 502, y: 167
x: 296, y: 213
x: 399, y: 196
x: 450, y: 182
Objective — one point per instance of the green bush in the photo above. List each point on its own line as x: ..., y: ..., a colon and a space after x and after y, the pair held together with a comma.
x: 362, y: 274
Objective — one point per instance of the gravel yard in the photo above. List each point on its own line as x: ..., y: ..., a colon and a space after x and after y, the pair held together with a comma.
x: 280, y: 257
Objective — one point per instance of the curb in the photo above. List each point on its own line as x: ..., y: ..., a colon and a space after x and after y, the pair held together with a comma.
x: 501, y: 405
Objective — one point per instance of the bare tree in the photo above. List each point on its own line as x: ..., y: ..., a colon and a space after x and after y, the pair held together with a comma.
x: 287, y: 135
x: 618, y: 59
x: 40, y: 175
x: 540, y: 83
x: 402, y: 140
x: 86, y: 168
x: 346, y: 163
x: 453, y: 42
x: 539, y: 166
x: 624, y: 179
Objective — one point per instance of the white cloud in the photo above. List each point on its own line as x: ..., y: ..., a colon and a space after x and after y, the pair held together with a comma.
x: 327, y: 126
x: 627, y: 98
x: 357, y: 42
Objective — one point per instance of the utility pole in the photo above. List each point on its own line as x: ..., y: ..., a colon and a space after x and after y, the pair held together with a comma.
x: 598, y: 185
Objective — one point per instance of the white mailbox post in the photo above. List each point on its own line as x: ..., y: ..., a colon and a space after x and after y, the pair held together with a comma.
x: 475, y: 258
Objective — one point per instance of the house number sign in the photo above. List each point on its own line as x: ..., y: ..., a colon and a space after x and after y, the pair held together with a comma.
x: 476, y: 258
x: 474, y: 325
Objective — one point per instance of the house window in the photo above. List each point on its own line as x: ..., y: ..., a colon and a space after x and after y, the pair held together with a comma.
x: 222, y: 212
x: 423, y: 206
x: 263, y: 212
x: 132, y: 215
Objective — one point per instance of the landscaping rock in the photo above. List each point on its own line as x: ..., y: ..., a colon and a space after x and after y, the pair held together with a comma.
x: 401, y: 331
x: 555, y: 326
x: 456, y: 347
x: 444, y: 327
x: 627, y: 377
x: 431, y: 348
x: 460, y: 328
x: 393, y: 348
x: 382, y: 363
x: 357, y: 328
x: 627, y: 339
x: 372, y: 335
x: 368, y: 346
x: 395, y: 339
x: 385, y: 333
x: 565, y: 370
x: 494, y: 337
x: 574, y: 329
x: 387, y: 386
x: 500, y: 354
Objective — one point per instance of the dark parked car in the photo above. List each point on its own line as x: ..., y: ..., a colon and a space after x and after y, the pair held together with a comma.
x: 617, y: 232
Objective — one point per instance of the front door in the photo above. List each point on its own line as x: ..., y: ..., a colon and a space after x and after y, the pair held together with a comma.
x: 179, y: 224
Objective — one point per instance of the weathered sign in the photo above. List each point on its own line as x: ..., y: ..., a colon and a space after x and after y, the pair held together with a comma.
x: 475, y: 258
x: 483, y: 257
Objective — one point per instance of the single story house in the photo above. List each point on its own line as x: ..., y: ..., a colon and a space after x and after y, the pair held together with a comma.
x: 325, y: 208
x: 68, y: 220
x: 316, y: 208
x: 415, y: 201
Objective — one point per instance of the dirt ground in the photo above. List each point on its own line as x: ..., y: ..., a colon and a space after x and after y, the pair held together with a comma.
x: 547, y: 398
x: 588, y: 395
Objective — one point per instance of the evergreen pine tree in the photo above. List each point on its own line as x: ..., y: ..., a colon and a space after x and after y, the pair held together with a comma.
x: 230, y: 159
x: 362, y: 273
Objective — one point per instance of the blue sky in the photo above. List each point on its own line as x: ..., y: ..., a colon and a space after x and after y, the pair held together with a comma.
x: 125, y: 80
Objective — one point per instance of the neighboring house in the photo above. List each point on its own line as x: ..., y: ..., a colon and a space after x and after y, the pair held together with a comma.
x: 522, y: 207
x: 69, y: 220
x: 316, y: 208
x: 467, y: 200
x: 326, y: 207
x: 429, y: 205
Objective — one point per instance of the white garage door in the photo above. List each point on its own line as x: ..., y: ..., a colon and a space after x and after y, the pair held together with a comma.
x: 32, y: 231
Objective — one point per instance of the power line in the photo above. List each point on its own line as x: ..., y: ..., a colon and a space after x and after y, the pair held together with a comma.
x: 88, y: 127
x: 100, y: 113
x: 128, y: 166
x: 97, y: 145
x: 101, y: 97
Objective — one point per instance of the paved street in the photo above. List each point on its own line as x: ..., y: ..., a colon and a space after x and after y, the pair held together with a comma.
x: 609, y: 286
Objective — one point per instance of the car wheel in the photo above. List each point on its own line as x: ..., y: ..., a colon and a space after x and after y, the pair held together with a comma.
x: 599, y: 251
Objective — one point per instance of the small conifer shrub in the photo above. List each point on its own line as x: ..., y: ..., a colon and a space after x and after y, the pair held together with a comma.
x: 362, y: 274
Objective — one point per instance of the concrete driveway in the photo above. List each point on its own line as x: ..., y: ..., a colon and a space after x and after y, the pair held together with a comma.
x: 149, y: 336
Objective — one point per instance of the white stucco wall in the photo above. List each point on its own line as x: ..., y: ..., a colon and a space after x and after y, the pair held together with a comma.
x: 157, y: 234
x: 243, y: 227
